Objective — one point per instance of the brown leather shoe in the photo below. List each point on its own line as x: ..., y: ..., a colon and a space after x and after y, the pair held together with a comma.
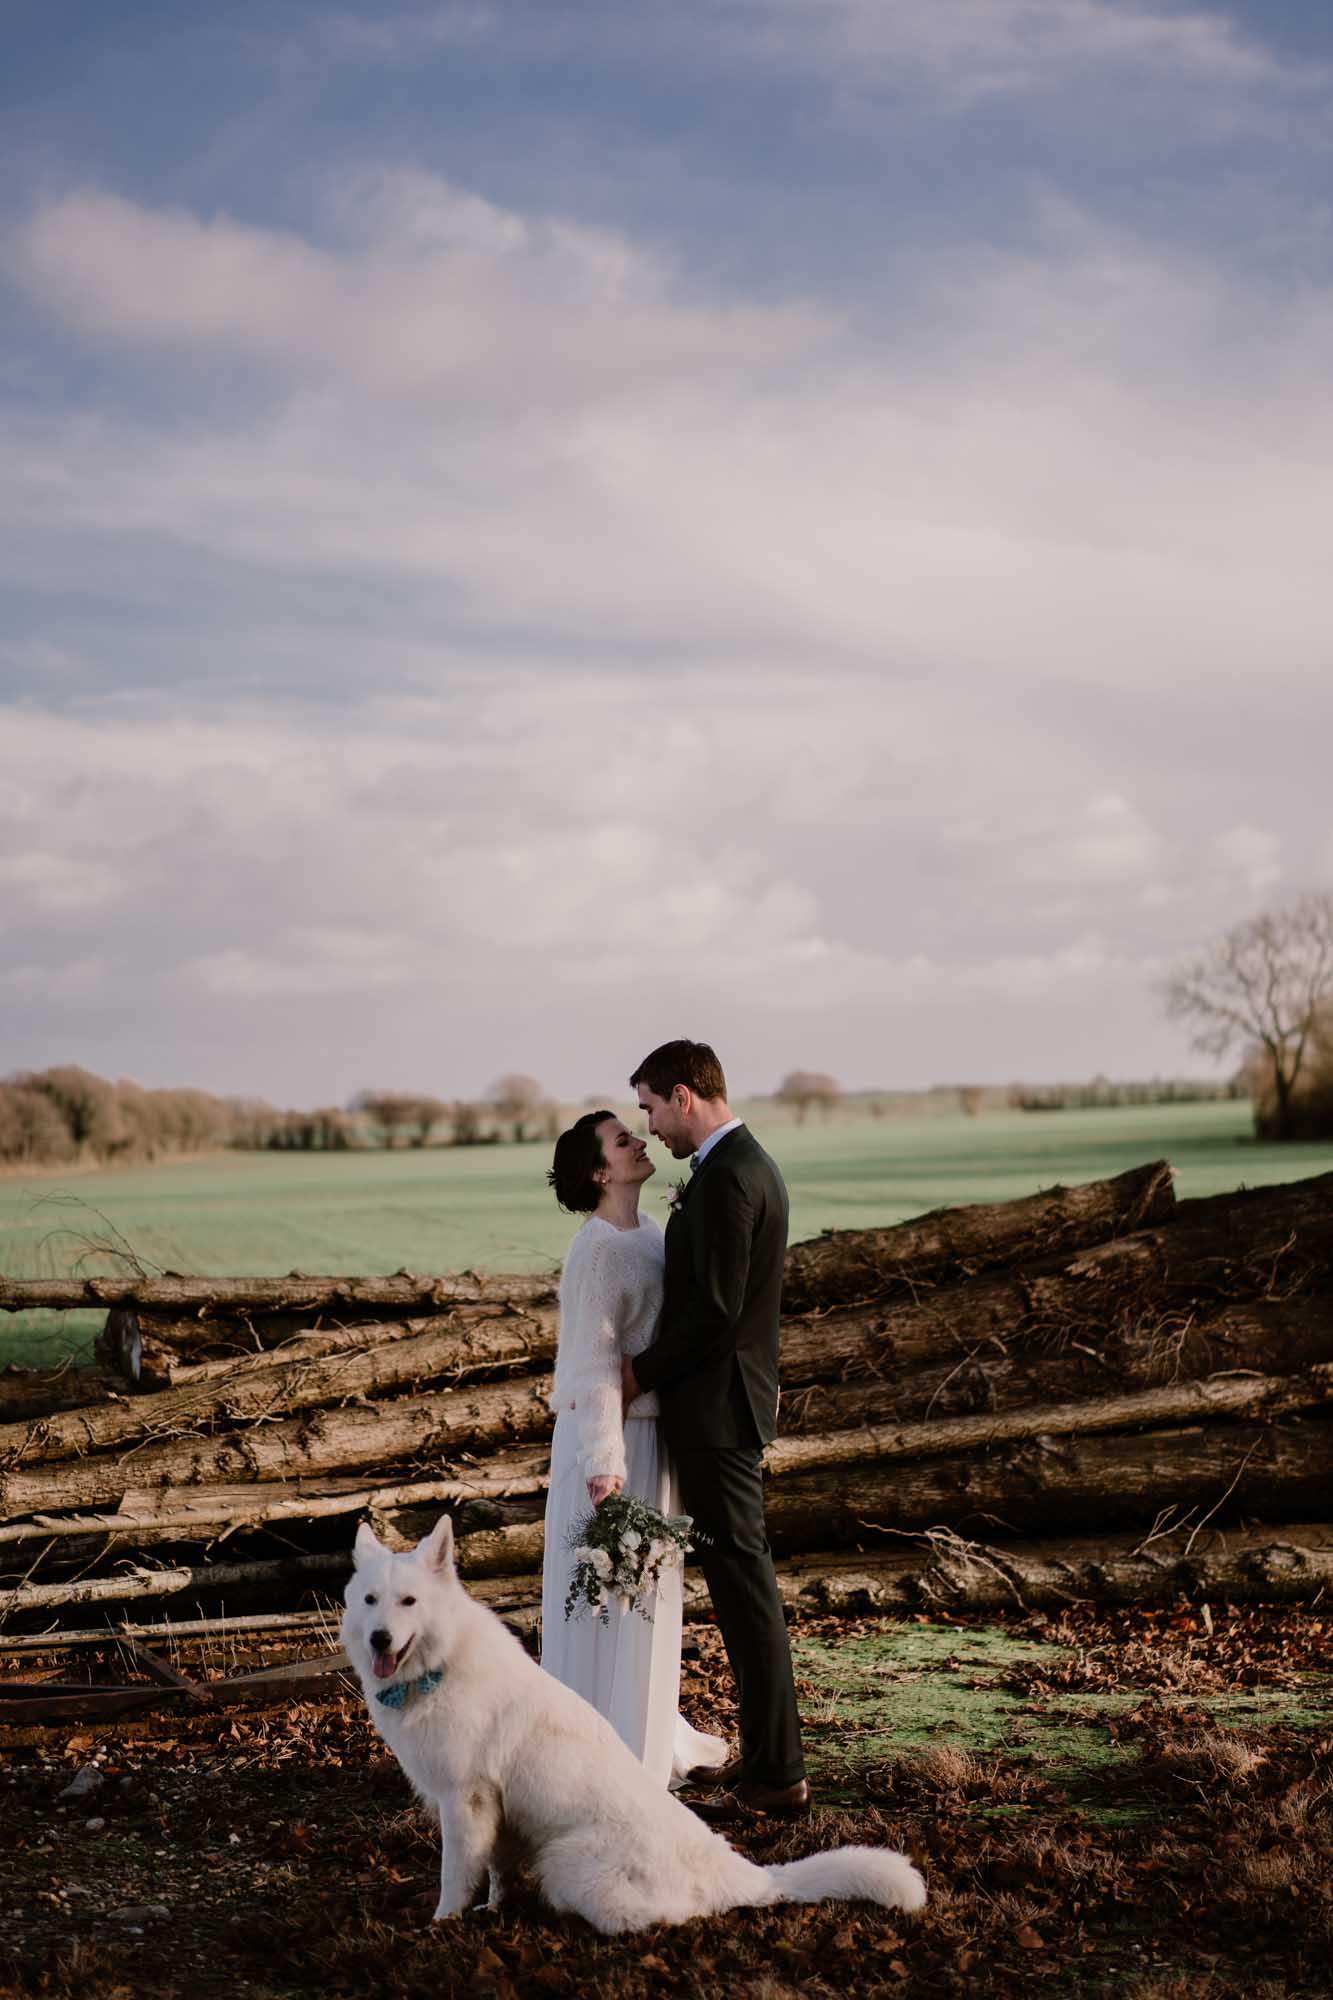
x: 748, y: 1800
x: 716, y: 1777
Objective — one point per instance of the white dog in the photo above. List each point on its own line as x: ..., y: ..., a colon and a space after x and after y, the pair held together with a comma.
x: 520, y: 1768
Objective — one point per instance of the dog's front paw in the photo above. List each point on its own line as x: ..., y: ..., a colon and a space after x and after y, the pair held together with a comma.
x: 444, y: 1911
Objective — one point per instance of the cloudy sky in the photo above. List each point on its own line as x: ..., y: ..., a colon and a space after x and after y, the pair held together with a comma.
x: 530, y: 527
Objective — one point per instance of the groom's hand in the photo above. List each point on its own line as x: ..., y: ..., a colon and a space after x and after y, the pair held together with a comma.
x: 629, y: 1384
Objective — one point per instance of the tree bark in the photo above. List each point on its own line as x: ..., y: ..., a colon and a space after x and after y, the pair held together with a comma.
x: 1257, y: 1242
x: 249, y: 1392
x: 992, y: 1366
x: 847, y: 1265
x: 186, y: 1513
x: 1272, y: 1245
x: 1265, y: 1565
x: 133, y: 1587
x: 1084, y: 1482
x: 1221, y: 1397
x: 1290, y: 1564
x: 223, y: 1298
x: 282, y: 1624
x: 1244, y: 1338
x: 427, y: 1430
x: 490, y: 1328
x: 1273, y: 1565
x: 26, y: 1393
x: 1264, y: 1339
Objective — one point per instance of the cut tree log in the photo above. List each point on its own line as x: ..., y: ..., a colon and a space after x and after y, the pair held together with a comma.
x: 432, y: 1430
x: 857, y: 1264
x: 223, y: 1298
x: 1281, y: 1564
x: 151, y: 1515
x: 1285, y: 1336
x: 513, y: 1548
x: 131, y: 1587
x: 1272, y: 1571
x: 483, y: 1322
x: 246, y: 1393
x: 1087, y: 1483
x: 283, y: 1624
x: 1263, y: 1339
x: 1262, y: 1565
x: 1262, y: 1242
x: 1001, y: 1367
x: 1277, y: 1244
x: 26, y: 1393
x: 990, y: 1457
x: 1225, y: 1396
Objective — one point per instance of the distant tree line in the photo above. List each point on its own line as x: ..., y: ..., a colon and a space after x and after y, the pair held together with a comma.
x: 53, y: 1116
x: 515, y: 1105
x: 1103, y: 1094
x: 60, y: 1116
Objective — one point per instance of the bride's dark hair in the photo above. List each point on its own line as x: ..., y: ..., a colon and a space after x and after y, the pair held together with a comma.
x: 578, y: 1158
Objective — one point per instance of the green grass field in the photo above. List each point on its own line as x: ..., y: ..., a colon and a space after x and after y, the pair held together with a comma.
x: 488, y: 1208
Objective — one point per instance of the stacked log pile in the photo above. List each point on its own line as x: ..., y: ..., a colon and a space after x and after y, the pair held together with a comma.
x: 1091, y: 1392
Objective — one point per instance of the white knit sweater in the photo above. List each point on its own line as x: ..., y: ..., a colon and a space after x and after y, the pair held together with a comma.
x: 610, y: 1302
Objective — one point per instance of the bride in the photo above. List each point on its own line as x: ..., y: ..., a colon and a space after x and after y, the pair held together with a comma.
x: 610, y: 1300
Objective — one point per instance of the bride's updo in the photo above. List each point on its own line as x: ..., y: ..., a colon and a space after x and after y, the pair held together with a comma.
x: 578, y: 1159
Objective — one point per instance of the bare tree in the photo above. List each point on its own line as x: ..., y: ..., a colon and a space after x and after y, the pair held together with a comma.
x: 394, y: 1111
x: 804, y: 1087
x: 517, y: 1099
x: 1264, y: 984
x: 31, y: 1127
x: 88, y: 1105
x: 430, y: 1112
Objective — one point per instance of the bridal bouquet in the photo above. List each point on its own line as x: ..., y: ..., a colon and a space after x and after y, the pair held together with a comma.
x: 621, y: 1550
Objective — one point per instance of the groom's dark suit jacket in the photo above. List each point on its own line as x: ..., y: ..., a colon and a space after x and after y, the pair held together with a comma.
x: 714, y: 1363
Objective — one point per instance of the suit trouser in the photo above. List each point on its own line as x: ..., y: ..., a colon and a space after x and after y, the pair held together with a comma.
x: 722, y: 1489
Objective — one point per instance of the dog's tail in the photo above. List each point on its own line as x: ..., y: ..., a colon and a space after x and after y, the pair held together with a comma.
x: 861, y: 1874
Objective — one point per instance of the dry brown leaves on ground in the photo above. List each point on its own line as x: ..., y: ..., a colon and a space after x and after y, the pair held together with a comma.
x: 276, y: 1854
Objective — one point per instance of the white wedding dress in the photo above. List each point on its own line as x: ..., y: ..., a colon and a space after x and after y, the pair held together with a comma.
x: 629, y: 1667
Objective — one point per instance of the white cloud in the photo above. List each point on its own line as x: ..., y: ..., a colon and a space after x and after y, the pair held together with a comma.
x: 439, y: 291
x: 57, y: 884
x: 972, y: 49
x: 1251, y: 855
x: 962, y: 51
x: 883, y: 682
x: 1096, y: 464
x: 552, y: 865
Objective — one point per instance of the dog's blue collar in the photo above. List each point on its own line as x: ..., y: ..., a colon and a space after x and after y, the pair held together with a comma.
x: 401, y: 1692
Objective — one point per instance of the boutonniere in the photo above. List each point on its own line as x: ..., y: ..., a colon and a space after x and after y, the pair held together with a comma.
x: 675, y: 1196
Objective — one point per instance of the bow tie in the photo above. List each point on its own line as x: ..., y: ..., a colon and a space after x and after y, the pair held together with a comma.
x: 399, y: 1694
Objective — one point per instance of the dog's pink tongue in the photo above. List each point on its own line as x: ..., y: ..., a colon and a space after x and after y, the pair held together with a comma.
x: 383, y: 1665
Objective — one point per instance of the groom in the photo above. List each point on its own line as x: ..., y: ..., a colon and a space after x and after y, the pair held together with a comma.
x: 714, y: 1365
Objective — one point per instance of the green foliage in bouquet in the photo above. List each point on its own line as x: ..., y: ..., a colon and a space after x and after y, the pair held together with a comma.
x: 622, y: 1550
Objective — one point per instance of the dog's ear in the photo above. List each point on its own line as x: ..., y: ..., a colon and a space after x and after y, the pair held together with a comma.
x: 367, y: 1543
x: 437, y: 1548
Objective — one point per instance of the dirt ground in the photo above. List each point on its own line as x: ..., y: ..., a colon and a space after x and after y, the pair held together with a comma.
x: 1134, y: 1804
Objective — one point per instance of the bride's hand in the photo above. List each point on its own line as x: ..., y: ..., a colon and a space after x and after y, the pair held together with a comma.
x: 601, y: 1489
